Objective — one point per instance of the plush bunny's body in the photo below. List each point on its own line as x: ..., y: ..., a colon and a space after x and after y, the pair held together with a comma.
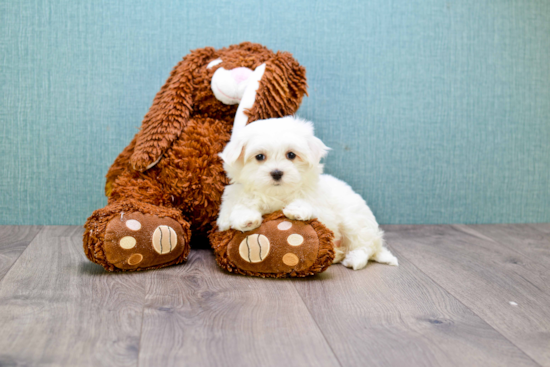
x: 169, y: 181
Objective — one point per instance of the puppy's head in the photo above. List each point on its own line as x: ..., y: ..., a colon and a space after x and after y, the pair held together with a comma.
x: 274, y: 155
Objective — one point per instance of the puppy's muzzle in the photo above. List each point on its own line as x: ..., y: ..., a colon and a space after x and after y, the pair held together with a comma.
x: 277, y: 175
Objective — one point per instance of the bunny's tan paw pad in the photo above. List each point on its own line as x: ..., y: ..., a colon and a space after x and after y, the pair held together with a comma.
x: 280, y: 247
x: 138, y: 241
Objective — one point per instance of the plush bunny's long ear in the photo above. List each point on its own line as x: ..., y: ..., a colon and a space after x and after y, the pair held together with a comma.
x: 169, y: 113
x: 281, y: 89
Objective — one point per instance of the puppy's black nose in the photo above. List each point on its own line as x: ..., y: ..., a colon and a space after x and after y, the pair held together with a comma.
x: 276, y: 174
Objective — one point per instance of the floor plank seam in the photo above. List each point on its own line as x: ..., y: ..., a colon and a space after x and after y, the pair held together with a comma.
x: 462, y: 303
x: 19, y: 257
x: 487, y: 237
x: 519, y: 254
x: 141, y: 329
x: 317, y: 325
x: 510, y: 248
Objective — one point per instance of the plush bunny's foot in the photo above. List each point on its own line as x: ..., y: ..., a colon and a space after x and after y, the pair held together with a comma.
x: 280, y: 247
x: 122, y: 238
x: 141, y: 241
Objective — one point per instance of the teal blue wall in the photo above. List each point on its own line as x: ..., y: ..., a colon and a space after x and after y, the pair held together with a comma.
x: 437, y: 111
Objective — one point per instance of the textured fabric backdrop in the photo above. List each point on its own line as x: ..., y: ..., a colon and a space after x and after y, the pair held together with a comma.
x: 437, y: 111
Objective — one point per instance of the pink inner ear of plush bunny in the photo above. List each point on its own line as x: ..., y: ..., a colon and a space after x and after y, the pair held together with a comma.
x: 238, y: 85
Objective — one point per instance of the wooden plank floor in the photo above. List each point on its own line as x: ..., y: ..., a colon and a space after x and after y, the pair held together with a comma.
x: 462, y: 296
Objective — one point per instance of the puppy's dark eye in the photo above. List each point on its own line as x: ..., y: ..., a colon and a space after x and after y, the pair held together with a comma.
x: 290, y: 155
x: 260, y: 157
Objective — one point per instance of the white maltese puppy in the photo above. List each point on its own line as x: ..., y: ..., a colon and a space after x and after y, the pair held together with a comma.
x: 274, y: 164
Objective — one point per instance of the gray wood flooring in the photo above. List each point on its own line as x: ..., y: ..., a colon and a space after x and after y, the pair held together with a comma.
x: 462, y: 296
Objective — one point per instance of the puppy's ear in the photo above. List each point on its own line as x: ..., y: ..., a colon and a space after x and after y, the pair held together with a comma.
x: 317, y: 148
x: 232, y: 151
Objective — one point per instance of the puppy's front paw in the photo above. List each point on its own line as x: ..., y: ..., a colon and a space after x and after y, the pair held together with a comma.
x: 299, y: 210
x: 245, y: 220
x: 223, y: 225
x: 247, y: 224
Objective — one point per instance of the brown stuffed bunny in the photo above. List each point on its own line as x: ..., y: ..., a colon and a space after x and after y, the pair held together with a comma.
x: 168, y: 182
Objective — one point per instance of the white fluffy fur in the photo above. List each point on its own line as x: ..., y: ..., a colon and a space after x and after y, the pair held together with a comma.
x: 302, y: 193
